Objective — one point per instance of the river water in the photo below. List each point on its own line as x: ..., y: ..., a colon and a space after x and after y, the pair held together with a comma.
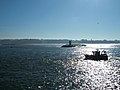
x: 50, y: 67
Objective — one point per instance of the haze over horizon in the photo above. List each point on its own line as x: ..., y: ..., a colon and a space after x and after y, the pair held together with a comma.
x: 60, y: 19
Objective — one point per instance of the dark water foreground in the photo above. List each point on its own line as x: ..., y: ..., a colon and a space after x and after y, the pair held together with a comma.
x: 49, y: 67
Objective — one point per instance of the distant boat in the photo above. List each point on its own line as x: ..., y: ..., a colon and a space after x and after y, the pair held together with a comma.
x: 72, y: 45
x: 83, y: 45
x: 97, y: 56
x: 69, y: 45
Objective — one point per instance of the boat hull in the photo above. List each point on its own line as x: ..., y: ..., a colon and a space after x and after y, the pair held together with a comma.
x: 69, y: 46
x: 93, y: 57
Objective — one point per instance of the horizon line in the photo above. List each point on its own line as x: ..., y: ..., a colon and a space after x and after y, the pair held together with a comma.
x: 58, y: 39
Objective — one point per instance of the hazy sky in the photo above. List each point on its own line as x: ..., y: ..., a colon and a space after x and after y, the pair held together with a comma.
x: 60, y: 19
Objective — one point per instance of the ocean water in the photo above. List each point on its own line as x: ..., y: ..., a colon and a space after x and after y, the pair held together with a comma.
x: 50, y: 67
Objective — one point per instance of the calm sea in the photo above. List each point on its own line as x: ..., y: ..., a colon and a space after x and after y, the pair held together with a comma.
x: 50, y: 67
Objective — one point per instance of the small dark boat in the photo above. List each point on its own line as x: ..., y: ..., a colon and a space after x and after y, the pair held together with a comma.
x: 97, y: 56
x: 83, y: 45
x: 69, y: 45
x: 72, y: 45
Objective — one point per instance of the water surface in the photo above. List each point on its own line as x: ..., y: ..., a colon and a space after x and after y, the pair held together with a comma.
x: 50, y: 67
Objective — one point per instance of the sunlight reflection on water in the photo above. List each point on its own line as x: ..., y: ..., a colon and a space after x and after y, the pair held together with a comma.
x: 54, y: 68
x: 89, y: 74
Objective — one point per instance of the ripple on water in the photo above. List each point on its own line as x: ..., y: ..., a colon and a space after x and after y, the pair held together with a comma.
x: 54, y: 68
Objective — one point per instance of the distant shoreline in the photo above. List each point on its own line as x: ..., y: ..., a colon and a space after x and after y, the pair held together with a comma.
x: 42, y: 41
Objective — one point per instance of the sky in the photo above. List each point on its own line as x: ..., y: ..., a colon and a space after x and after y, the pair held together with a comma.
x: 60, y: 19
